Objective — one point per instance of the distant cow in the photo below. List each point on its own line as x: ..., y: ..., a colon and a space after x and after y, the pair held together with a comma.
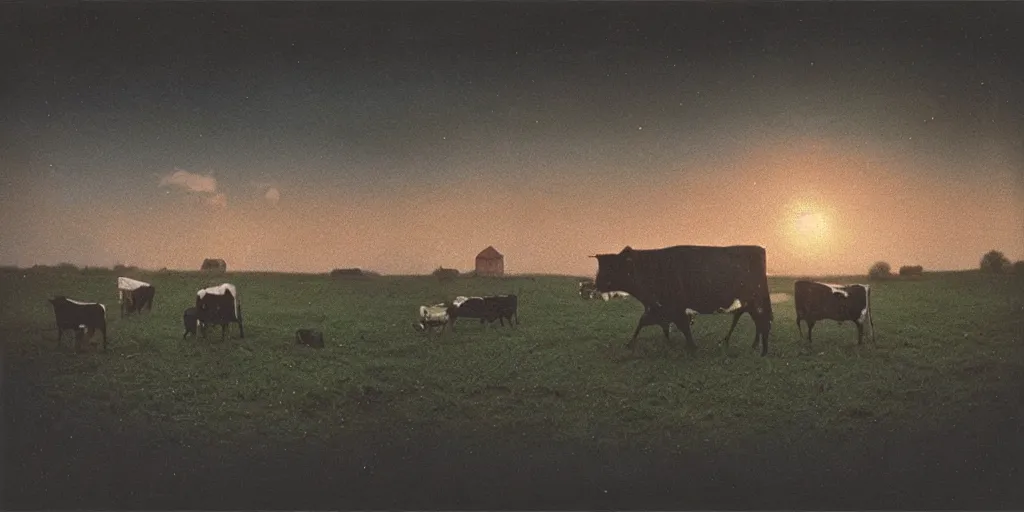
x: 75, y: 315
x: 433, y: 316
x: 822, y: 301
x: 681, y: 281
x: 134, y: 295
x: 310, y: 338
x: 487, y: 309
x: 219, y: 305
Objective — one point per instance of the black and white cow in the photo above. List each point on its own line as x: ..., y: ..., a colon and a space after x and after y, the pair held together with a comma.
x: 676, y: 283
x: 219, y: 305
x: 77, y: 316
x: 816, y: 301
x: 134, y: 295
x: 433, y: 316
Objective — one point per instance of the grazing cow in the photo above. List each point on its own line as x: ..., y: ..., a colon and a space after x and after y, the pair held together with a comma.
x: 310, y: 338
x: 507, y: 307
x: 822, y: 301
x: 134, y: 295
x: 433, y: 316
x: 75, y: 315
x: 679, y: 282
x: 219, y: 305
x: 487, y: 309
x: 191, y: 320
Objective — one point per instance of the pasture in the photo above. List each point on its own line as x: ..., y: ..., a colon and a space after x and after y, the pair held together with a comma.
x: 947, y: 346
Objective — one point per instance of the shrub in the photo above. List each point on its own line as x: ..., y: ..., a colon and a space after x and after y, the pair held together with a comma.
x: 994, y: 262
x: 911, y: 270
x: 347, y: 272
x: 1018, y: 268
x: 880, y: 270
x: 445, y: 274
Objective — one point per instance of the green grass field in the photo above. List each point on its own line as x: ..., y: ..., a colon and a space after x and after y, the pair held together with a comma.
x: 943, y: 341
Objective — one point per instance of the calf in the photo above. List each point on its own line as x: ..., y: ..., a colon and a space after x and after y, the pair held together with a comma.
x: 191, y: 320
x: 433, y: 316
x: 219, y: 305
x: 310, y: 338
x: 821, y: 301
x: 75, y: 315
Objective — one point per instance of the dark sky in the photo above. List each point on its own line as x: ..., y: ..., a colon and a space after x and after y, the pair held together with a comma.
x: 303, y: 136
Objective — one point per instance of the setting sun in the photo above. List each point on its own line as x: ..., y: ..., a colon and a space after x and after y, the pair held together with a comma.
x: 807, y: 227
x: 810, y: 225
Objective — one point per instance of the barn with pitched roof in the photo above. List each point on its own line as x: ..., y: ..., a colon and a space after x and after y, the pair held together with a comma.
x: 490, y: 262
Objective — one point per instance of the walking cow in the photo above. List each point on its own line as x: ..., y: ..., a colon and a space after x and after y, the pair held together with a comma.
x: 676, y: 283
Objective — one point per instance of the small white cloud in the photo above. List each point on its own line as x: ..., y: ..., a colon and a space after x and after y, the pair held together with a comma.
x: 273, y: 195
x: 219, y: 200
x: 191, y: 181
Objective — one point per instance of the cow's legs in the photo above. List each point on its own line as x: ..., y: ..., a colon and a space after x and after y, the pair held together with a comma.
x: 810, y: 327
x: 224, y: 331
x: 799, y: 328
x: 683, y: 323
x: 860, y: 332
x: 103, y: 330
x: 763, y: 326
x: 639, y: 325
x: 60, y: 332
x: 735, y: 319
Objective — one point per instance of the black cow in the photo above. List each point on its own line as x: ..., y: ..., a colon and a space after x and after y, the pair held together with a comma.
x: 219, y: 305
x: 191, y: 321
x: 75, y: 315
x: 507, y: 306
x: 821, y: 301
x: 487, y: 309
x: 134, y: 295
x: 676, y: 283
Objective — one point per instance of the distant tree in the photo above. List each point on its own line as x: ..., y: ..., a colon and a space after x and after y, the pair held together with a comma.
x: 994, y: 262
x: 1018, y: 268
x: 880, y: 270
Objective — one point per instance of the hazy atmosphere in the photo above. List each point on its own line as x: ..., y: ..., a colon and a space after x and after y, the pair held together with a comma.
x: 400, y: 137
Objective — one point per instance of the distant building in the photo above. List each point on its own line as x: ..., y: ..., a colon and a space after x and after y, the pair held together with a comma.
x: 214, y: 265
x: 490, y: 263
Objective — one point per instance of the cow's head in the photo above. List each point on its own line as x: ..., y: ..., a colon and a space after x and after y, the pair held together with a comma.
x: 615, y: 271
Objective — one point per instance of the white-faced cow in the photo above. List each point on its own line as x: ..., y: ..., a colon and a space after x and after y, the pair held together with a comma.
x: 681, y: 281
x: 134, y: 295
x: 75, y: 315
x: 816, y: 301
x: 219, y: 305
x: 433, y: 316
